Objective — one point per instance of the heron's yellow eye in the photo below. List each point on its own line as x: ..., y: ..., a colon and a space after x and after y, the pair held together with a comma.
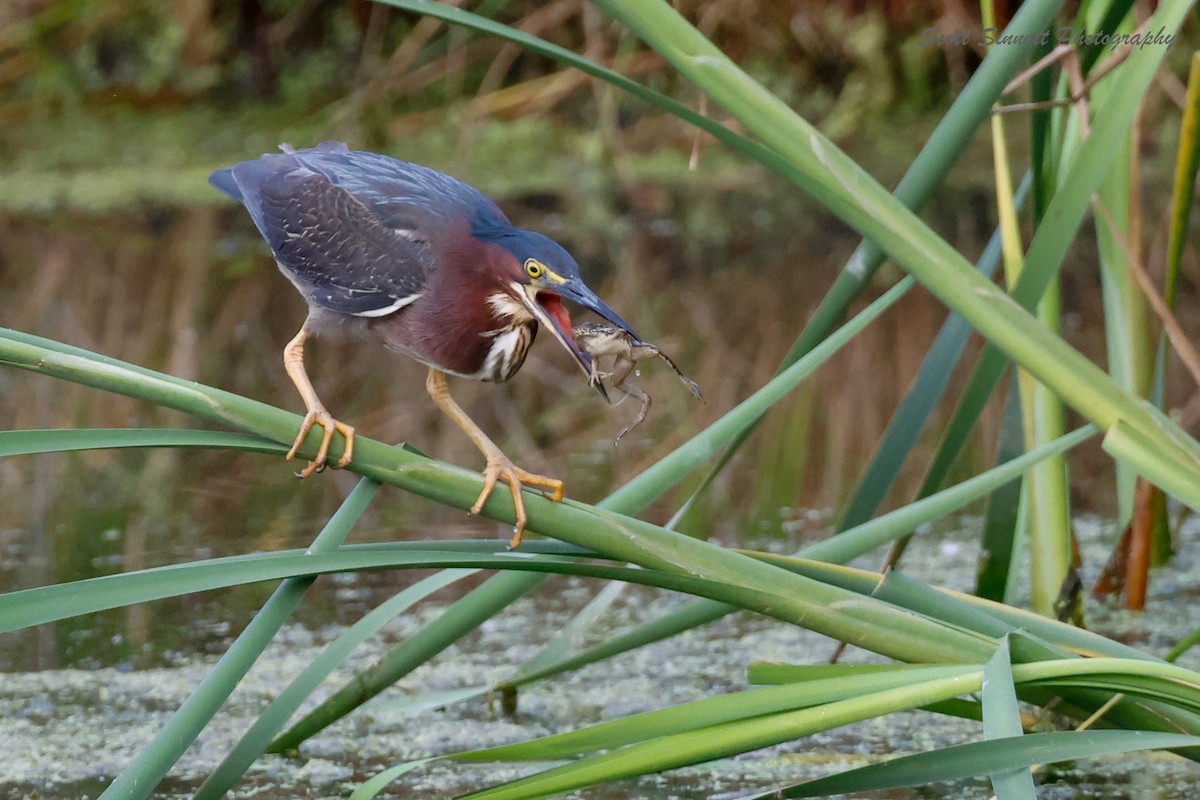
x: 534, y: 268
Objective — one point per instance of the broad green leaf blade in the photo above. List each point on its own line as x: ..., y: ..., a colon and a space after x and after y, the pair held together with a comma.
x: 1149, y: 687
x: 1187, y: 159
x: 923, y: 396
x: 1048, y: 512
x: 1128, y: 348
x: 255, y: 741
x: 1047, y: 516
x: 615, y: 536
x: 718, y: 741
x: 463, y: 616
x: 979, y: 758
x: 20, y: 443
x: 930, y: 167
x: 1002, y: 524
x: 1002, y: 719
x: 953, y: 134
x: 848, y: 192
x: 1072, y: 196
x: 534, y: 44
x: 1044, y: 663
x: 1114, y: 14
x: 1041, y: 659
x: 839, y: 549
x: 710, y: 711
x: 472, y: 610
x: 1043, y: 155
x: 640, y: 492
x: 860, y: 540
x: 1061, y: 634
x: 140, y: 778
x: 774, y: 672
x: 37, y: 606
x: 1137, y: 677
x: 378, y: 783
x: 569, y: 638
x: 997, y: 619
x: 1180, y: 478
x: 1183, y: 645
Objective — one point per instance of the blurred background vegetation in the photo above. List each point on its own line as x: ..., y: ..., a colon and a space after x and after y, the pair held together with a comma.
x: 113, y: 115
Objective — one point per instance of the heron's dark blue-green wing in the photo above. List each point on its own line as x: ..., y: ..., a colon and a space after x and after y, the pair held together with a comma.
x: 406, y: 196
x: 333, y: 242
x: 342, y: 255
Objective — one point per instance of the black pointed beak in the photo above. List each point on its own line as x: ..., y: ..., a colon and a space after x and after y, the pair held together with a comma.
x: 581, y: 294
x: 546, y: 304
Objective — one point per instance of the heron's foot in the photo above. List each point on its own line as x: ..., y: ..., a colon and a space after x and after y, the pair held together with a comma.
x: 319, y: 416
x: 499, y: 466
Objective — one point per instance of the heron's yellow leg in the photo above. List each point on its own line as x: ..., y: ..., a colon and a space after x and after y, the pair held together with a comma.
x: 498, y: 465
x: 293, y: 362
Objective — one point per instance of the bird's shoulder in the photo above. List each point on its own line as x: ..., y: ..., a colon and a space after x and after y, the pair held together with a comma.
x: 403, y: 194
x: 335, y: 244
x: 359, y: 232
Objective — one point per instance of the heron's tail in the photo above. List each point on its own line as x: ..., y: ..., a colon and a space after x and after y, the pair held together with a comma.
x: 223, y: 180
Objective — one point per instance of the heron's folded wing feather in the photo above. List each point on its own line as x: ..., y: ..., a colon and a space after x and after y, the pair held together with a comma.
x: 334, y: 243
x: 403, y: 195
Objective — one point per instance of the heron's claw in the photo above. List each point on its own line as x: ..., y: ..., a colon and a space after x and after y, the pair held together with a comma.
x: 319, y: 416
x: 499, y: 466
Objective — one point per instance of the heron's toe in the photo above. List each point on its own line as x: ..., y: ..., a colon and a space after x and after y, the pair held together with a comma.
x: 500, y: 467
x: 329, y: 425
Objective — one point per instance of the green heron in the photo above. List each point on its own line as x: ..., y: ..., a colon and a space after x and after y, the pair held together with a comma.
x: 421, y: 262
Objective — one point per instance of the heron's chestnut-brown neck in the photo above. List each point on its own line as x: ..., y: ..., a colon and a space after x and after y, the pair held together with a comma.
x: 466, y: 322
